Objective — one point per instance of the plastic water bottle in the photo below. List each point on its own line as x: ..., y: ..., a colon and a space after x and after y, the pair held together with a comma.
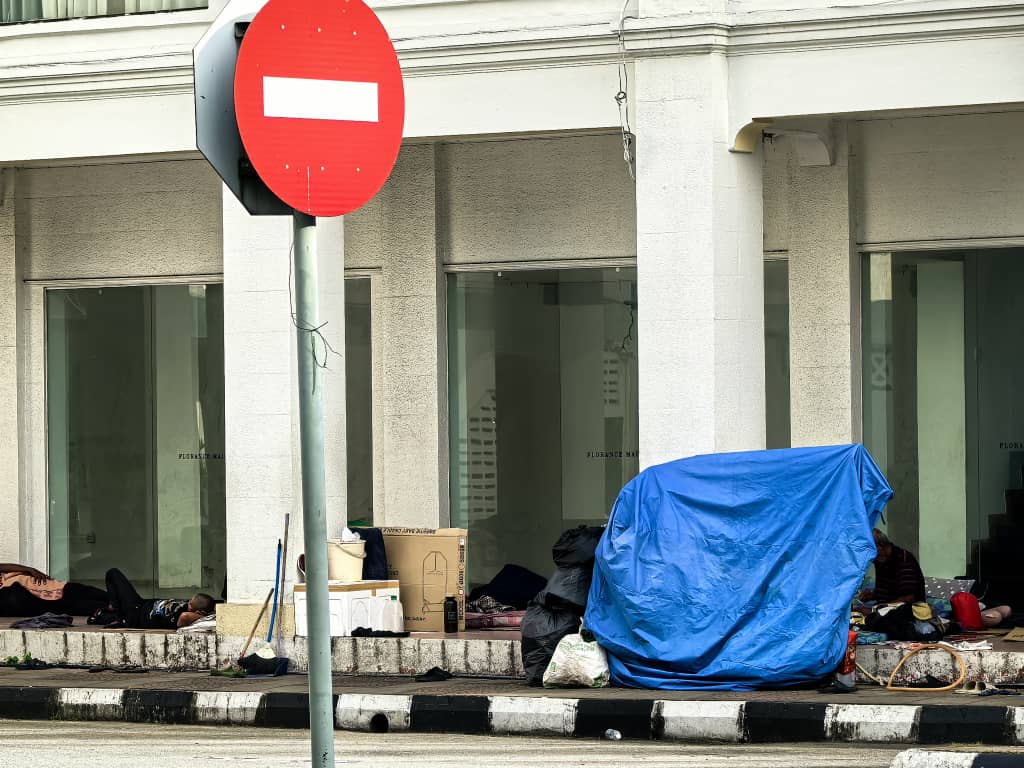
x: 396, y: 616
x: 612, y: 735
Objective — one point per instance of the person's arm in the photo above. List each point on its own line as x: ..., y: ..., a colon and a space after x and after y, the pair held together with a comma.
x: 188, y: 618
x: 18, y: 568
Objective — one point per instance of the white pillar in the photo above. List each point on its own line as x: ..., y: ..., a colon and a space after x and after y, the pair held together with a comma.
x: 261, y: 398
x: 699, y: 263
x: 413, y: 444
x: 824, y: 283
x: 9, y: 454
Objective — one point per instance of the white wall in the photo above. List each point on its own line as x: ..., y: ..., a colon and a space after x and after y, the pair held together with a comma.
x: 525, y: 199
x: 9, y: 491
x: 558, y: 198
x: 934, y: 178
x: 119, y: 220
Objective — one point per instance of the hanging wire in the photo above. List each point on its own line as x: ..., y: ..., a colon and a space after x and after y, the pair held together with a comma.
x: 315, y: 332
x: 622, y: 97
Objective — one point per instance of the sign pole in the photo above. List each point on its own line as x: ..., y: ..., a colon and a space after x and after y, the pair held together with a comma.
x: 314, y: 503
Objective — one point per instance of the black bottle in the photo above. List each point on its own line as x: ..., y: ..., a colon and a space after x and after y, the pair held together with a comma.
x: 451, y: 614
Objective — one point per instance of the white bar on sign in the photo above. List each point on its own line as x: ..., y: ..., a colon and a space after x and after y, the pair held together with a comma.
x: 305, y: 99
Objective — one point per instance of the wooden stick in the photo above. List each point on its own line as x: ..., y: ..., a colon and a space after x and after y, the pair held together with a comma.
x: 284, y: 578
x: 258, y: 620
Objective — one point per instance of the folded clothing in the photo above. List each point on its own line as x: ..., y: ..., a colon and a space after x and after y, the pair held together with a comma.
x: 44, y: 621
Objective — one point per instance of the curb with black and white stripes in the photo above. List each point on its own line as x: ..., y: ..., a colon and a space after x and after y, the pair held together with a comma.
x: 694, y: 721
x: 920, y: 758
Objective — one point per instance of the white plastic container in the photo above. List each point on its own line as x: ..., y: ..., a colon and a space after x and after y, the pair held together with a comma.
x: 345, y: 559
x: 394, y: 620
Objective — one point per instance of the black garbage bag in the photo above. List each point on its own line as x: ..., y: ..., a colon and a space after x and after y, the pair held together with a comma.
x: 576, y: 546
x: 567, y: 589
x: 542, y: 628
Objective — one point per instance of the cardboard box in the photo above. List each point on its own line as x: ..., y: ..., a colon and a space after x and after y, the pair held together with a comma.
x: 430, y: 565
x: 351, y: 603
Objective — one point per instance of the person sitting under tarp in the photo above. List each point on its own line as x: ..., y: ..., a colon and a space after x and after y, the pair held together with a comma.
x: 27, y: 591
x: 899, y: 579
x: 898, y: 576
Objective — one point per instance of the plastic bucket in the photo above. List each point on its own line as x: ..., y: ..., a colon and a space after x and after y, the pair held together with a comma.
x: 345, y: 560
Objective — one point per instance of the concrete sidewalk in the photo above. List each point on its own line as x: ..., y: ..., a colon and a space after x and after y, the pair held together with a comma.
x: 475, y: 705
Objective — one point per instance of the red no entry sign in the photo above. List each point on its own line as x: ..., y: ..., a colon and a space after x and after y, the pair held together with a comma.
x: 320, y: 103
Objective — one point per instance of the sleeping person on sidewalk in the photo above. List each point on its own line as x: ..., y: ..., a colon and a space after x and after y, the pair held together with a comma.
x: 27, y: 591
x: 131, y: 610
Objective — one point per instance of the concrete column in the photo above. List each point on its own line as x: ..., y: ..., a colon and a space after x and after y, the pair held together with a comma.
x: 9, y: 459
x: 824, y: 283
x: 259, y: 361
x: 412, y: 396
x: 261, y: 400
x: 700, y: 271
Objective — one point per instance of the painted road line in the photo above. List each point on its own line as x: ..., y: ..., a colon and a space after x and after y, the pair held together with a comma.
x: 90, y: 704
x: 521, y: 714
x: 699, y: 720
x: 871, y: 722
x: 227, y: 707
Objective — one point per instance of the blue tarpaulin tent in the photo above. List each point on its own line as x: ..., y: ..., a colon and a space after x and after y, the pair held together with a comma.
x: 735, y: 571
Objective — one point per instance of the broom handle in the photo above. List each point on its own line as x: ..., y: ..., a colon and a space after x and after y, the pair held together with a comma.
x: 284, y: 578
x: 258, y: 619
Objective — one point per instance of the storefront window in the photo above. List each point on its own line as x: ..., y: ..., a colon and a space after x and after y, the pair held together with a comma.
x: 542, y: 407
x: 359, y: 401
x: 135, y: 417
x: 942, y: 411
x: 776, y: 353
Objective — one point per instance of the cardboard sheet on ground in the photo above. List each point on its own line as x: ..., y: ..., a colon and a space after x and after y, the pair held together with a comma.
x: 735, y: 571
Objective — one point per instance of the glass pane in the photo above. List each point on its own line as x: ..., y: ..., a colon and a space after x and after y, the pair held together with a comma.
x: 915, y: 401
x: 100, y: 432
x: 995, y: 328
x: 776, y: 353
x: 188, y: 376
x: 359, y: 400
x: 542, y: 407
x: 135, y: 408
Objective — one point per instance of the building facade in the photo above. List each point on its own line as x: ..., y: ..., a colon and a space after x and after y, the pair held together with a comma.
x: 615, y: 235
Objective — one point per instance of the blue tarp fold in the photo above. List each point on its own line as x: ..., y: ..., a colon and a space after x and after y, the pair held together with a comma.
x: 735, y: 571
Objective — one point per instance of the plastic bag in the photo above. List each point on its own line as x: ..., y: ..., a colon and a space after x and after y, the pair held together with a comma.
x: 576, y: 546
x: 542, y: 629
x: 568, y: 588
x: 577, y: 663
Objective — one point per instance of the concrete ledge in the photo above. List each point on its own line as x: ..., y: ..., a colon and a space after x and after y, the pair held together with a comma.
x: 474, y: 655
x: 919, y: 758
x: 499, y: 657
x: 687, y: 721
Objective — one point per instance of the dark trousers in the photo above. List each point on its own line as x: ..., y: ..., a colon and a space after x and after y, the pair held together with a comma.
x: 127, y: 603
x: 78, y: 600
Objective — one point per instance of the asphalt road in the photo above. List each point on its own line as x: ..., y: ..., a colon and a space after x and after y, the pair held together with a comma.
x: 120, y: 745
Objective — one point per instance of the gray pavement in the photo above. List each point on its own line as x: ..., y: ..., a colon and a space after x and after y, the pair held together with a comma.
x: 120, y: 745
